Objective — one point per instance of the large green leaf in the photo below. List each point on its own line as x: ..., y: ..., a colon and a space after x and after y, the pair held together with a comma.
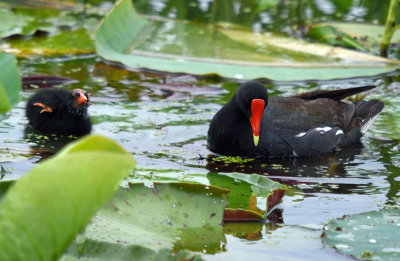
x: 10, y: 82
x: 368, y: 236
x: 247, y: 194
x: 174, y: 46
x: 41, y: 214
x: 142, y: 223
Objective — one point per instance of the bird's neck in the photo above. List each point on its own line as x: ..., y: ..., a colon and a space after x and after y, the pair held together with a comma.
x: 79, y: 112
x: 232, y: 131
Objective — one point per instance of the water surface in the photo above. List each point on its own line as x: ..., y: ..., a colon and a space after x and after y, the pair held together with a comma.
x: 163, y: 121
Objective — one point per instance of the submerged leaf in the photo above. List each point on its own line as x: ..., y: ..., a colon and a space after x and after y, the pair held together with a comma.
x: 41, y: 214
x: 176, y: 46
x: 368, y: 236
x: 44, y: 81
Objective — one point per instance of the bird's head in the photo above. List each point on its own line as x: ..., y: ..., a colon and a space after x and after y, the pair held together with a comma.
x: 80, y: 101
x: 252, y: 98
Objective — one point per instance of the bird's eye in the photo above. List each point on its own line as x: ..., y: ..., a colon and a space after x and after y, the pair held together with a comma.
x: 86, y: 94
x: 76, y: 93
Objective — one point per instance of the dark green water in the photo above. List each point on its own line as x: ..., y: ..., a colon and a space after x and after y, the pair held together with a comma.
x: 163, y: 121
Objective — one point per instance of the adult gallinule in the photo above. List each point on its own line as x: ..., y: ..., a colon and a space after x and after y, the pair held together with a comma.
x: 55, y: 111
x: 252, y: 124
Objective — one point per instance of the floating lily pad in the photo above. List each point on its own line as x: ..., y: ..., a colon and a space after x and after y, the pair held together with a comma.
x: 141, y: 223
x: 251, y: 197
x: 183, y: 47
x: 19, y: 23
x: 67, y: 42
x: 41, y: 214
x: 43, y: 17
x: 10, y: 82
x: 46, y: 30
x: 367, y: 236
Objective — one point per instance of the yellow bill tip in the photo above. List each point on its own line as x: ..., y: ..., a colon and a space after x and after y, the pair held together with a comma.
x: 256, y: 138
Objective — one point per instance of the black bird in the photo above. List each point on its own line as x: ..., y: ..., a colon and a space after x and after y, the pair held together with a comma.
x: 309, y: 124
x: 56, y: 111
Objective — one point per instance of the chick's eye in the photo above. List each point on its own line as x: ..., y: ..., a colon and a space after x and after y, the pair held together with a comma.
x: 76, y: 93
x: 86, y: 94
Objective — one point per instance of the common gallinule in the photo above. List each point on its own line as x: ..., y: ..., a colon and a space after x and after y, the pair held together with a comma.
x: 56, y: 111
x: 252, y: 124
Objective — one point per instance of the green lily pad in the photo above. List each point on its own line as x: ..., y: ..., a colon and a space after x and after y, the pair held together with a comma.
x: 46, y: 30
x: 19, y: 22
x: 330, y: 35
x: 41, y: 214
x: 367, y: 236
x: 184, y: 47
x: 67, y: 42
x: 10, y: 82
x: 147, y: 222
x: 26, y: 21
x: 247, y: 194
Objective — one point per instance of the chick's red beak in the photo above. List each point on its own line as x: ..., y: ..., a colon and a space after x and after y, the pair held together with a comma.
x: 257, y: 109
x: 81, y: 99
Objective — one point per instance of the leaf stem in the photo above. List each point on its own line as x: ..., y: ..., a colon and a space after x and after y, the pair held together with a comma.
x: 389, y: 28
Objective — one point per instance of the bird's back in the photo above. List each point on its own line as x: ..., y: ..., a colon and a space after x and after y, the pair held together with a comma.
x: 295, y: 126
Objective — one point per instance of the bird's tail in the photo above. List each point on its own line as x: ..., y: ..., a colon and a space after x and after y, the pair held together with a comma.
x: 366, y: 112
x: 364, y: 116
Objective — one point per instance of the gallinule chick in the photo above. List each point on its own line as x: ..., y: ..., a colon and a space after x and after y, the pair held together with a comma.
x: 252, y: 124
x: 55, y: 111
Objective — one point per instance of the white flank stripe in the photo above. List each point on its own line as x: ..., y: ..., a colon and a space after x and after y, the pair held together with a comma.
x: 301, y: 134
x: 323, y: 129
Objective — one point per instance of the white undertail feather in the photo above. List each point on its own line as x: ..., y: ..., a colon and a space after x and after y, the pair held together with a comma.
x: 339, y: 132
x: 366, y: 125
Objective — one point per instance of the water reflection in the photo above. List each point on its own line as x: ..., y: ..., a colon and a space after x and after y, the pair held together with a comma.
x: 44, y: 145
x: 292, y: 171
x: 390, y: 156
x: 289, y: 16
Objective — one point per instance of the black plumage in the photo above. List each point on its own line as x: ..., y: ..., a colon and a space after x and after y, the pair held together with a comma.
x: 56, y: 111
x: 308, y: 124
